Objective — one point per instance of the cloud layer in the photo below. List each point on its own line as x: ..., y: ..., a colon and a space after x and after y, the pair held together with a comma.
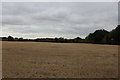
x: 57, y: 19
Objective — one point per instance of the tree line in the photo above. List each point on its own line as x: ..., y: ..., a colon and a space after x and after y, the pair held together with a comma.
x: 98, y: 37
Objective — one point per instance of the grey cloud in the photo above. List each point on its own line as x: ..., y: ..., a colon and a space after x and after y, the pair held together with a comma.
x: 78, y: 19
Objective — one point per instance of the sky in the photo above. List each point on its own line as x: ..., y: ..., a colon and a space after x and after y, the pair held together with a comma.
x: 57, y: 19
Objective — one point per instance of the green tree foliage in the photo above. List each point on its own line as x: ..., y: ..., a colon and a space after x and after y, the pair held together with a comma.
x: 10, y: 38
x: 77, y: 40
x: 113, y: 37
x: 4, y: 39
x: 97, y: 36
x: 20, y: 39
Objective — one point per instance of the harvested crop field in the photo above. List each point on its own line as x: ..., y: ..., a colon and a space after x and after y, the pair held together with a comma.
x: 59, y: 60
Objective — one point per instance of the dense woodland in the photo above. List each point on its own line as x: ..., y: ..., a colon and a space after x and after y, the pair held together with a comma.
x: 98, y: 37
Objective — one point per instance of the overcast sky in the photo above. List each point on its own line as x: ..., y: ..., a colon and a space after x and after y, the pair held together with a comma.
x: 57, y: 19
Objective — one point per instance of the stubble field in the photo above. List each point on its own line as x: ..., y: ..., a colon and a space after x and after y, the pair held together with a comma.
x: 58, y: 60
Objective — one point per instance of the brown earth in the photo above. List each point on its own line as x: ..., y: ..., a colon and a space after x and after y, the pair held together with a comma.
x: 59, y: 60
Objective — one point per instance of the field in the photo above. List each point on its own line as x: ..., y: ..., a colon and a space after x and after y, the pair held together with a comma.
x: 59, y: 60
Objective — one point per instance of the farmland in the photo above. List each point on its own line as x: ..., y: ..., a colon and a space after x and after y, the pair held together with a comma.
x: 58, y: 60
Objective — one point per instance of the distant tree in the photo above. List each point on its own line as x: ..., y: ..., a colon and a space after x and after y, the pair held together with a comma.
x: 114, y: 36
x: 56, y: 39
x: 89, y: 38
x: 77, y: 40
x: 16, y: 39
x: 97, y: 36
x: 4, y: 39
x: 61, y: 39
x: 20, y: 39
x: 10, y: 38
